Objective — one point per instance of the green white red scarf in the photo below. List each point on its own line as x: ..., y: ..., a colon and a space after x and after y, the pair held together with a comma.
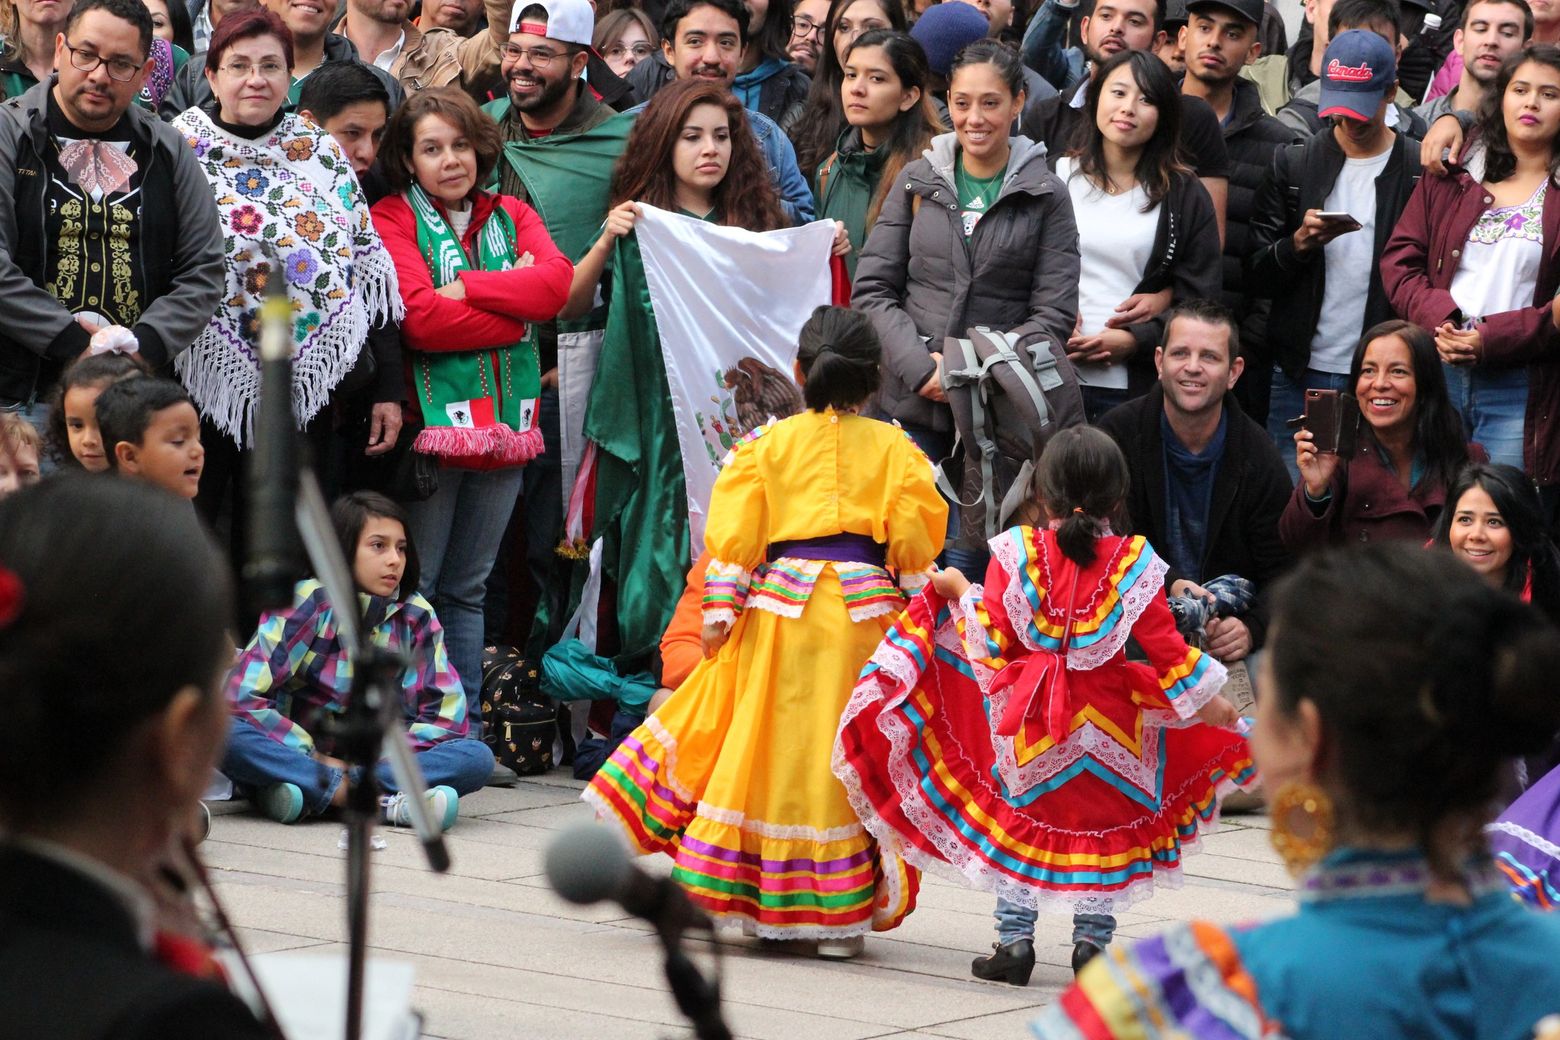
x: 478, y: 406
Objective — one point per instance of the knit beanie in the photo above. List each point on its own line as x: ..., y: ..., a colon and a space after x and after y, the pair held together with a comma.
x: 947, y: 28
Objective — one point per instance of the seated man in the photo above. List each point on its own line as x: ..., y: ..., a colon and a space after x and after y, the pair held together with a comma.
x: 1207, y: 483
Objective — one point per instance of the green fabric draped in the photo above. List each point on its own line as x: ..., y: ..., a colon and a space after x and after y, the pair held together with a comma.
x: 641, y: 498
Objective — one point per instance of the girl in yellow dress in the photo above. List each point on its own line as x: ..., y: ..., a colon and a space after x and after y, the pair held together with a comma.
x: 811, y: 521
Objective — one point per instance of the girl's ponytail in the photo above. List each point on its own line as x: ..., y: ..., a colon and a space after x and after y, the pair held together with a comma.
x: 1083, y: 483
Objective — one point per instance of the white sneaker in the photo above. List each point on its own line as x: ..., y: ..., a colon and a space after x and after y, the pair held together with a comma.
x: 443, y: 806
x: 842, y: 949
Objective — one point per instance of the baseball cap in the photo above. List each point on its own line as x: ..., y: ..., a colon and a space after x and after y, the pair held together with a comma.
x: 568, y: 21
x: 1357, y: 71
x: 945, y: 30
x: 1251, y: 10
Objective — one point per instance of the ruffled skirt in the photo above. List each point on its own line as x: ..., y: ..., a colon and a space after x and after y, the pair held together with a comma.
x: 731, y: 777
x: 1089, y: 824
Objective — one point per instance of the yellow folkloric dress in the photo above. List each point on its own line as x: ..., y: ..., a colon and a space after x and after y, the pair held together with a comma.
x: 731, y: 777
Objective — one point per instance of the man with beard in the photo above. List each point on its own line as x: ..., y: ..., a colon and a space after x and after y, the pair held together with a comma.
x: 1207, y: 485
x: 1219, y: 39
x: 807, y: 24
x: 1491, y: 30
x: 386, y: 37
x: 561, y: 142
x: 107, y: 220
x: 1138, y: 25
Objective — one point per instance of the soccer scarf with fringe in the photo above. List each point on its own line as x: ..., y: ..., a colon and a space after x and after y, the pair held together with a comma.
x: 288, y: 197
x: 478, y: 406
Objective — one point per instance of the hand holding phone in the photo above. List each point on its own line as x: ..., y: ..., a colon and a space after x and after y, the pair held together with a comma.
x: 1340, y: 219
x: 1319, y: 227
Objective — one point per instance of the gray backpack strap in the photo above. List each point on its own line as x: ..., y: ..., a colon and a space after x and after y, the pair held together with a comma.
x: 965, y: 370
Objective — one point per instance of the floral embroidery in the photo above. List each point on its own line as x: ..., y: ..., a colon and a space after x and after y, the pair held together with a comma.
x: 309, y: 225
x: 256, y: 279
x: 1524, y: 220
x: 245, y: 220
x: 305, y: 324
x: 299, y: 149
x: 253, y: 183
x: 301, y: 266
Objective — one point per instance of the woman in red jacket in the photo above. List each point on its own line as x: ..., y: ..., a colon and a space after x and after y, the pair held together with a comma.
x: 476, y: 269
x: 1392, y: 483
x: 1474, y: 257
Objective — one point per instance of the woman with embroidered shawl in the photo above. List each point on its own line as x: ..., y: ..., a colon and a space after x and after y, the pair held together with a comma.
x: 476, y: 270
x: 292, y: 214
x: 809, y: 517
x: 1382, y: 746
x: 1000, y: 730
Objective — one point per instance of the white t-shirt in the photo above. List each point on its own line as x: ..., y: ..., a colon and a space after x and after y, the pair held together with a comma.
x: 1115, y: 240
x: 1349, y: 259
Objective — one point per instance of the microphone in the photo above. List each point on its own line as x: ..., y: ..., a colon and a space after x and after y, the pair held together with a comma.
x: 273, y: 562
x: 587, y: 863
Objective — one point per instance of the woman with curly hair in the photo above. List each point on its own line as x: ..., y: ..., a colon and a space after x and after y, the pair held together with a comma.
x: 292, y: 216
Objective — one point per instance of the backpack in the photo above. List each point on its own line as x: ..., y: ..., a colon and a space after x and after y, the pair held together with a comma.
x: 519, y: 724
x: 1009, y: 394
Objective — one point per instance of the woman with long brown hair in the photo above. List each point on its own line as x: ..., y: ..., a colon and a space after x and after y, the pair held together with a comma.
x: 691, y: 152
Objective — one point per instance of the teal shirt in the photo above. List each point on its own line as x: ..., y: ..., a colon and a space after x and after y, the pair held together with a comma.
x: 844, y: 186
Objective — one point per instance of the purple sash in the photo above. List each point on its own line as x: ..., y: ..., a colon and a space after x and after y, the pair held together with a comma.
x: 836, y: 548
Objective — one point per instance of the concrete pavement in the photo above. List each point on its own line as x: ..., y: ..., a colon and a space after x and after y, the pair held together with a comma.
x: 498, y: 956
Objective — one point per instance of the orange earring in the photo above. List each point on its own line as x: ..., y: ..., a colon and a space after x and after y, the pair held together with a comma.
x: 1303, y: 825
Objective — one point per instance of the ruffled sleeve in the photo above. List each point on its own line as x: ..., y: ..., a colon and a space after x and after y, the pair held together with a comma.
x: 982, y: 622
x: 1187, y: 982
x: 736, y: 535
x: 917, y: 520
x: 1188, y: 678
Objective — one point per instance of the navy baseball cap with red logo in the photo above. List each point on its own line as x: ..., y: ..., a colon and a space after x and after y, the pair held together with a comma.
x: 1358, y: 70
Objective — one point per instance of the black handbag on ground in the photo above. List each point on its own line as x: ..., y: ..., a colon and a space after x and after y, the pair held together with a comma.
x: 519, y: 723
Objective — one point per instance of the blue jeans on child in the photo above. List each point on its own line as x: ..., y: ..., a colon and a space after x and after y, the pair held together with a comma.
x: 1016, y: 922
x: 457, y: 532
x: 253, y: 760
x: 1493, y: 404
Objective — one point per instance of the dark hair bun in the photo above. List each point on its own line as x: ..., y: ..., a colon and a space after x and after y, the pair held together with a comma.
x: 839, y: 351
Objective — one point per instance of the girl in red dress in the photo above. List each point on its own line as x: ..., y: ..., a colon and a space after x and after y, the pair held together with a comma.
x: 1000, y: 729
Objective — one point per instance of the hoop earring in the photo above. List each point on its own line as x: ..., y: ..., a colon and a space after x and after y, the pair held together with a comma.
x: 1303, y: 825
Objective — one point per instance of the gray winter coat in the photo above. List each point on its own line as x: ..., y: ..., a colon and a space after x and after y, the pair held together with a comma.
x: 920, y: 281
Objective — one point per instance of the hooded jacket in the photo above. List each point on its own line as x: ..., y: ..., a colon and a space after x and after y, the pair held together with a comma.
x: 921, y: 281
x: 181, y: 250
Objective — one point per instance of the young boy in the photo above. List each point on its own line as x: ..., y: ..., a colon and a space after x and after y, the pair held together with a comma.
x: 150, y: 431
x: 20, y: 450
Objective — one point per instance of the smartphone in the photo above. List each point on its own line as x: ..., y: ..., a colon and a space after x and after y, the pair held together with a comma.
x: 1339, y: 217
x: 1332, y: 417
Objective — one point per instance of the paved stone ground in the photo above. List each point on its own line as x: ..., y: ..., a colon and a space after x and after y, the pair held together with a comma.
x: 498, y: 956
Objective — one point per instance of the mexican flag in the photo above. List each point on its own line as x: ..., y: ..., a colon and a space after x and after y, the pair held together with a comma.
x: 701, y: 334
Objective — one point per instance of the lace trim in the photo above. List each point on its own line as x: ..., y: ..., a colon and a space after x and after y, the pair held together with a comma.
x: 751, y: 926
x: 872, y: 610
x: 1525, y: 836
x: 772, y: 605
x: 1188, y: 704
x: 717, y: 615
x: 1015, y: 556
x: 955, y: 861
x: 913, y: 582
x: 1088, y: 740
x: 780, y: 832
x: 667, y: 773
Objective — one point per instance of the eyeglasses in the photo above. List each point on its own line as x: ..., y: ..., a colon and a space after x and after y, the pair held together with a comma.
x: 803, y: 27
x: 120, y: 70
x: 540, y: 57
x: 640, y: 51
x: 244, y: 69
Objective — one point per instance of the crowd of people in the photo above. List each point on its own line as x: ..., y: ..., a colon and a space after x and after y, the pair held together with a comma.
x: 1163, y: 356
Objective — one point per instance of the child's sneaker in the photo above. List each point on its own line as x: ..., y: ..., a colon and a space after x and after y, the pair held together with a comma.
x: 281, y: 802
x: 443, y: 806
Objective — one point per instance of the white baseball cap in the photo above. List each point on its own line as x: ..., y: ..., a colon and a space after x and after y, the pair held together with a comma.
x: 568, y: 21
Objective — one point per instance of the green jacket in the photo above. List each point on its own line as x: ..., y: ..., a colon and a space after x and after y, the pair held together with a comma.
x: 844, y: 186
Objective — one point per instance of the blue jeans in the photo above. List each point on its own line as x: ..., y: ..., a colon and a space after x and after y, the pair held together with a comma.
x: 1493, y: 404
x: 1287, y: 400
x: 1016, y: 922
x: 457, y: 532
x: 972, y: 562
x: 253, y: 760
x: 1097, y: 400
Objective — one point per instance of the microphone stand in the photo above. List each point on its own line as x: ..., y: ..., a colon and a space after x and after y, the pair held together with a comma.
x: 697, y: 998
x: 373, y: 725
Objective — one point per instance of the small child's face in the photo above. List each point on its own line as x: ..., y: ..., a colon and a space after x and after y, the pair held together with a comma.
x: 18, y: 467
x: 81, y: 427
x: 381, y: 556
x: 170, y: 454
